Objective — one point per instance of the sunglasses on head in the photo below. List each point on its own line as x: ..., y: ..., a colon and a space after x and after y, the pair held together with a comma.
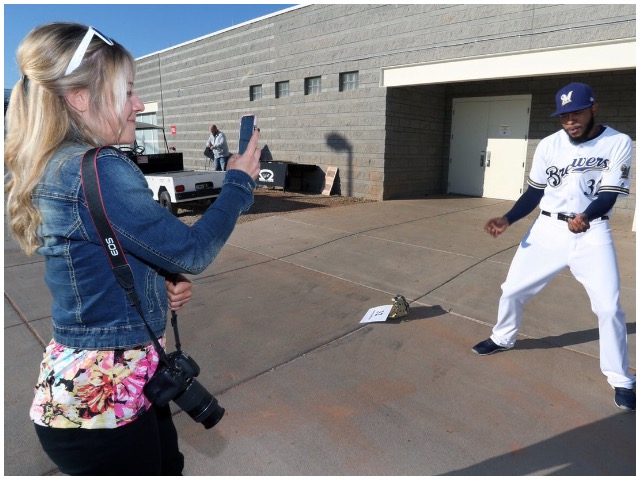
x: 82, y: 48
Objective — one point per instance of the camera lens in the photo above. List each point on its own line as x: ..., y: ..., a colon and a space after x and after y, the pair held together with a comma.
x: 214, y: 414
x: 200, y: 404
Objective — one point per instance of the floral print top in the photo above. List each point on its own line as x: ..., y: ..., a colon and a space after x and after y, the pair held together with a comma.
x: 80, y: 388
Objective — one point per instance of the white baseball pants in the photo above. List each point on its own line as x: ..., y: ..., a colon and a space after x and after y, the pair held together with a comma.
x: 544, y: 251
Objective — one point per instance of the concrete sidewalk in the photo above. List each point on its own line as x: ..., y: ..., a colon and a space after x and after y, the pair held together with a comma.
x: 308, y: 390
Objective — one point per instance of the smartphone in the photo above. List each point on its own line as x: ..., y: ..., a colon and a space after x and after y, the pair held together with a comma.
x: 247, y: 125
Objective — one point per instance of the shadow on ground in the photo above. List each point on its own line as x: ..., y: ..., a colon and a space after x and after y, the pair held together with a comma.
x: 565, y: 454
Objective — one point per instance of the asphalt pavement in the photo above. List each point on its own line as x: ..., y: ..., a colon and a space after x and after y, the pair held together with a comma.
x: 309, y: 390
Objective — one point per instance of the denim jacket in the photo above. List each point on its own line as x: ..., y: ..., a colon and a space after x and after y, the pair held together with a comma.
x: 90, y: 309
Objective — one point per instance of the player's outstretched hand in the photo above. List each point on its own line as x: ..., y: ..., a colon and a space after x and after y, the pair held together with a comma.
x: 496, y: 226
x: 249, y: 161
x: 579, y: 224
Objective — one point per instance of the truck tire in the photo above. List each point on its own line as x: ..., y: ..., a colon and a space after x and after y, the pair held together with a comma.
x: 165, y: 200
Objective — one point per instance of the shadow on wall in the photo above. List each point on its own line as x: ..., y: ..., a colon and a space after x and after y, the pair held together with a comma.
x: 340, y: 144
x: 265, y: 154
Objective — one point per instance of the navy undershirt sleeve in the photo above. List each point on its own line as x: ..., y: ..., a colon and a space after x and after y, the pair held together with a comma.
x: 525, y: 204
x: 601, y: 205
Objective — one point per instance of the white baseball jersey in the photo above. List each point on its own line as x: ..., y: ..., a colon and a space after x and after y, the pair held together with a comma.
x: 573, y: 174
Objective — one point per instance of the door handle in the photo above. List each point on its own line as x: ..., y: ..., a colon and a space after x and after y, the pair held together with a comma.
x: 482, y: 159
x: 488, y: 159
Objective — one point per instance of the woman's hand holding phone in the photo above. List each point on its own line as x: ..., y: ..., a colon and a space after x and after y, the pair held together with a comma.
x: 249, y: 161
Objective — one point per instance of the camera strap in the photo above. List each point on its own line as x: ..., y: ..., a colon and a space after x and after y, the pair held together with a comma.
x: 119, y: 265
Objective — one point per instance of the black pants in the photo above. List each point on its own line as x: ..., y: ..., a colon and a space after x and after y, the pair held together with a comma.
x: 147, y: 446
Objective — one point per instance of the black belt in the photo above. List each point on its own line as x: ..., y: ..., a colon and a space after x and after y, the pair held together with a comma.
x: 566, y: 218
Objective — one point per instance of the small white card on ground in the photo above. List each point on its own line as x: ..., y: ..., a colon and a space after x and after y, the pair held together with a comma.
x: 377, y: 314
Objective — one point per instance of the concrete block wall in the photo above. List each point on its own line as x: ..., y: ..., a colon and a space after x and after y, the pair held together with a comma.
x: 414, y: 164
x: 208, y: 81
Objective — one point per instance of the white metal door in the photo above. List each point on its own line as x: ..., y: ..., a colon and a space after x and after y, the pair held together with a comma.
x: 468, y: 139
x: 489, y: 146
x: 506, y: 148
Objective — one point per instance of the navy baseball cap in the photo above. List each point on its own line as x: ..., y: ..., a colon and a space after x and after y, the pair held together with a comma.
x: 572, y: 98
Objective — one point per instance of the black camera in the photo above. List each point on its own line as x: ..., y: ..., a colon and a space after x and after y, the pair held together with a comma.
x: 174, y: 380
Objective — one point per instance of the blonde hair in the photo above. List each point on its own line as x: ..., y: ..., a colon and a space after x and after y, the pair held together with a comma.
x: 39, y: 120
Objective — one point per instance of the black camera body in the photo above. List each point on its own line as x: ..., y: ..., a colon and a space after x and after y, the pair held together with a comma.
x: 174, y: 380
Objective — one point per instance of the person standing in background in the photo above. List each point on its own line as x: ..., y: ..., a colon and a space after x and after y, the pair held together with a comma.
x: 217, y: 143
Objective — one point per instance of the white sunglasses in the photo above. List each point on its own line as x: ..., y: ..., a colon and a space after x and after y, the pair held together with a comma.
x: 82, y: 49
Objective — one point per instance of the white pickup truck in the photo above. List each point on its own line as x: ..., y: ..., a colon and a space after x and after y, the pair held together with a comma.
x: 171, y: 184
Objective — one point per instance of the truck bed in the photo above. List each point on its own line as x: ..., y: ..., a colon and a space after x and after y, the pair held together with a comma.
x: 159, y: 162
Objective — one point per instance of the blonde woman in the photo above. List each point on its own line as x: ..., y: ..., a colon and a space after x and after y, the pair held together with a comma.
x: 89, y: 410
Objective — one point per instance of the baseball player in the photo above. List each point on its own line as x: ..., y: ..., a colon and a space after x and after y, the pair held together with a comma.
x: 577, y: 174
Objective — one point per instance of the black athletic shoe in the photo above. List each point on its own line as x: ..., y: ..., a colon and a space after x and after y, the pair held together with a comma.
x: 488, y: 347
x: 625, y: 399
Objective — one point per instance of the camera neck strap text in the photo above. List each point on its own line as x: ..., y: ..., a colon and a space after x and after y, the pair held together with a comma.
x: 110, y: 243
